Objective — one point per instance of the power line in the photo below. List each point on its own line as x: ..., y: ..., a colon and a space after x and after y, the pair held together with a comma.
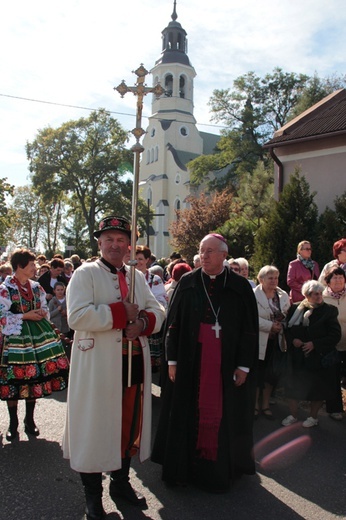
x: 95, y: 110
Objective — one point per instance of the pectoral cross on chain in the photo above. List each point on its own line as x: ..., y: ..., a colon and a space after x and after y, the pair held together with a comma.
x: 217, y: 327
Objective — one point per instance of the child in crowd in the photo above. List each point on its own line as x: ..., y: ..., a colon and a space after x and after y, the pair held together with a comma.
x: 57, y: 308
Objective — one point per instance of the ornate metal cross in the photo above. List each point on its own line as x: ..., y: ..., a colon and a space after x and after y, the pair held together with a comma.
x: 140, y: 90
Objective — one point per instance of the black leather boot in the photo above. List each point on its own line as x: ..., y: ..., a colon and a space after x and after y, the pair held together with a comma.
x: 12, y: 431
x: 29, y: 424
x: 92, y: 483
x: 120, y: 487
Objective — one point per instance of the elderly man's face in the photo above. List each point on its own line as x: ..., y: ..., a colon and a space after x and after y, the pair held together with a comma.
x: 114, y: 245
x: 212, y: 257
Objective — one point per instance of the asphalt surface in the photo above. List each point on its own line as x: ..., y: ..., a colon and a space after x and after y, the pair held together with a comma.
x: 301, y: 475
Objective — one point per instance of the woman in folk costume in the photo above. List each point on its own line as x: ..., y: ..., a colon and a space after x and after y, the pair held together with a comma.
x: 33, y: 363
x: 205, y: 428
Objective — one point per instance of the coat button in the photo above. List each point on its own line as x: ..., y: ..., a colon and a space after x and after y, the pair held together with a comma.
x: 118, y: 340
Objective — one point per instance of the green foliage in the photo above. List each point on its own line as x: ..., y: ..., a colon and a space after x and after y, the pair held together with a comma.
x: 26, y: 217
x: 75, y: 233
x: 291, y: 220
x: 85, y: 159
x: 239, y: 233
x: 252, y: 111
x: 249, y: 209
x: 315, y: 90
x: 331, y: 227
x: 279, y: 93
x: 5, y: 221
x: 261, y: 104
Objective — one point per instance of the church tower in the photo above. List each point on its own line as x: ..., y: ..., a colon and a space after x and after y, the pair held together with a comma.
x: 172, y: 138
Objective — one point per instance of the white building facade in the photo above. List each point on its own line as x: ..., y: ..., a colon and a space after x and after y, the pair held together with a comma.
x: 172, y: 138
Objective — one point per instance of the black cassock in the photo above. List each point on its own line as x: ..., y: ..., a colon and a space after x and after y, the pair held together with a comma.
x: 176, y: 437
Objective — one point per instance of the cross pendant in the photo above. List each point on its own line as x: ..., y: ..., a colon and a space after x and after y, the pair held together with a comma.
x: 217, y: 327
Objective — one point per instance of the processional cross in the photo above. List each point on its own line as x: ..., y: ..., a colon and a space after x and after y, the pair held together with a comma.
x: 140, y: 90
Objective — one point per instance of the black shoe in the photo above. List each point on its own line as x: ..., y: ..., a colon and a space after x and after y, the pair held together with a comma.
x: 94, y: 509
x: 122, y: 489
x: 31, y: 428
x: 12, y: 431
x: 11, y: 434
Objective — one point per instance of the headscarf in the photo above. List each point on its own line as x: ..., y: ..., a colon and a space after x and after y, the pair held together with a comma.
x: 307, y: 262
x: 303, y: 313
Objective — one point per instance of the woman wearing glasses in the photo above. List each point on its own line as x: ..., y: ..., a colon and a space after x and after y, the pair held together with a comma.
x: 301, y: 270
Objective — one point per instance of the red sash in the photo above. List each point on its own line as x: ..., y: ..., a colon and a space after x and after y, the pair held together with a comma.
x: 210, y: 393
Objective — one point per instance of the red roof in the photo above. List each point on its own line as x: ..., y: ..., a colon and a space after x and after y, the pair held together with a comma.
x: 326, y: 118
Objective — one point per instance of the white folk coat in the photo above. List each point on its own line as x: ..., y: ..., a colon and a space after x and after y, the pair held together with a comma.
x: 92, y: 437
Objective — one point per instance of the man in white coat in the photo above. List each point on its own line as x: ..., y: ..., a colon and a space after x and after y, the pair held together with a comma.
x: 108, y: 421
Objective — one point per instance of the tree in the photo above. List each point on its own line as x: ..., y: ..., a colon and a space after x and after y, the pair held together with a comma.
x: 330, y: 228
x: 291, y: 220
x: 204, y: 216
x: 252, y: 111
x: 26, y: 217
x: 5, y: 222
x: 75, y: 233
x: 315, y: 90
x: 84, y: 158
x: 249, y: 209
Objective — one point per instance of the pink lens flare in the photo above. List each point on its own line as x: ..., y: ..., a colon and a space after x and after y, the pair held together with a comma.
x: 279, y: 449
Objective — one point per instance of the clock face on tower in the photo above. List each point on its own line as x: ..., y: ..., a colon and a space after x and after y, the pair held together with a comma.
x: 183, y: 131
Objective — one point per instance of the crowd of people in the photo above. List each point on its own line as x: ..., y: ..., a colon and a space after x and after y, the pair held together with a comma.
x: 222, y: 343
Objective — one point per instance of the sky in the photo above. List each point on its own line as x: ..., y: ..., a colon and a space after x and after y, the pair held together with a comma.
x: 59, y: 59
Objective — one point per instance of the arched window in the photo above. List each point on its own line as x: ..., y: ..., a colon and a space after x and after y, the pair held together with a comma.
x: 182, y: 86
x: 177, y: 207
x: 169, y: 85
x: 156, y: 153
x: 148, y: 156
x: 152, y: 155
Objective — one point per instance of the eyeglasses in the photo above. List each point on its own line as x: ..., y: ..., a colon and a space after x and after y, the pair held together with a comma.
x: 235, y: 269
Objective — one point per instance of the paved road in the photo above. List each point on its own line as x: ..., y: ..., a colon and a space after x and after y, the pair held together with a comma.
x: 306, y: 481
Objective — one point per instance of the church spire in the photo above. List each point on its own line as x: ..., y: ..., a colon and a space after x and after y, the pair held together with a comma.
x: 174, y: 42
x: 174, y: 14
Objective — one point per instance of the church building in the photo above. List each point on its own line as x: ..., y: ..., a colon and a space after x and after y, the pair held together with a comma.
x: 172, y: 138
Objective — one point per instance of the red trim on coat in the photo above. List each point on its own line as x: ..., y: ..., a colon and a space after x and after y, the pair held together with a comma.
x: 119, y: 315
x: 151, y: 325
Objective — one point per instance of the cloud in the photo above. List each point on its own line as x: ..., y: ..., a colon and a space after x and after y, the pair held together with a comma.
x: 74, y: 52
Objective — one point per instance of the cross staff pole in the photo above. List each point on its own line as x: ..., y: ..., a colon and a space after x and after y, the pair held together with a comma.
x: 140, y: 90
